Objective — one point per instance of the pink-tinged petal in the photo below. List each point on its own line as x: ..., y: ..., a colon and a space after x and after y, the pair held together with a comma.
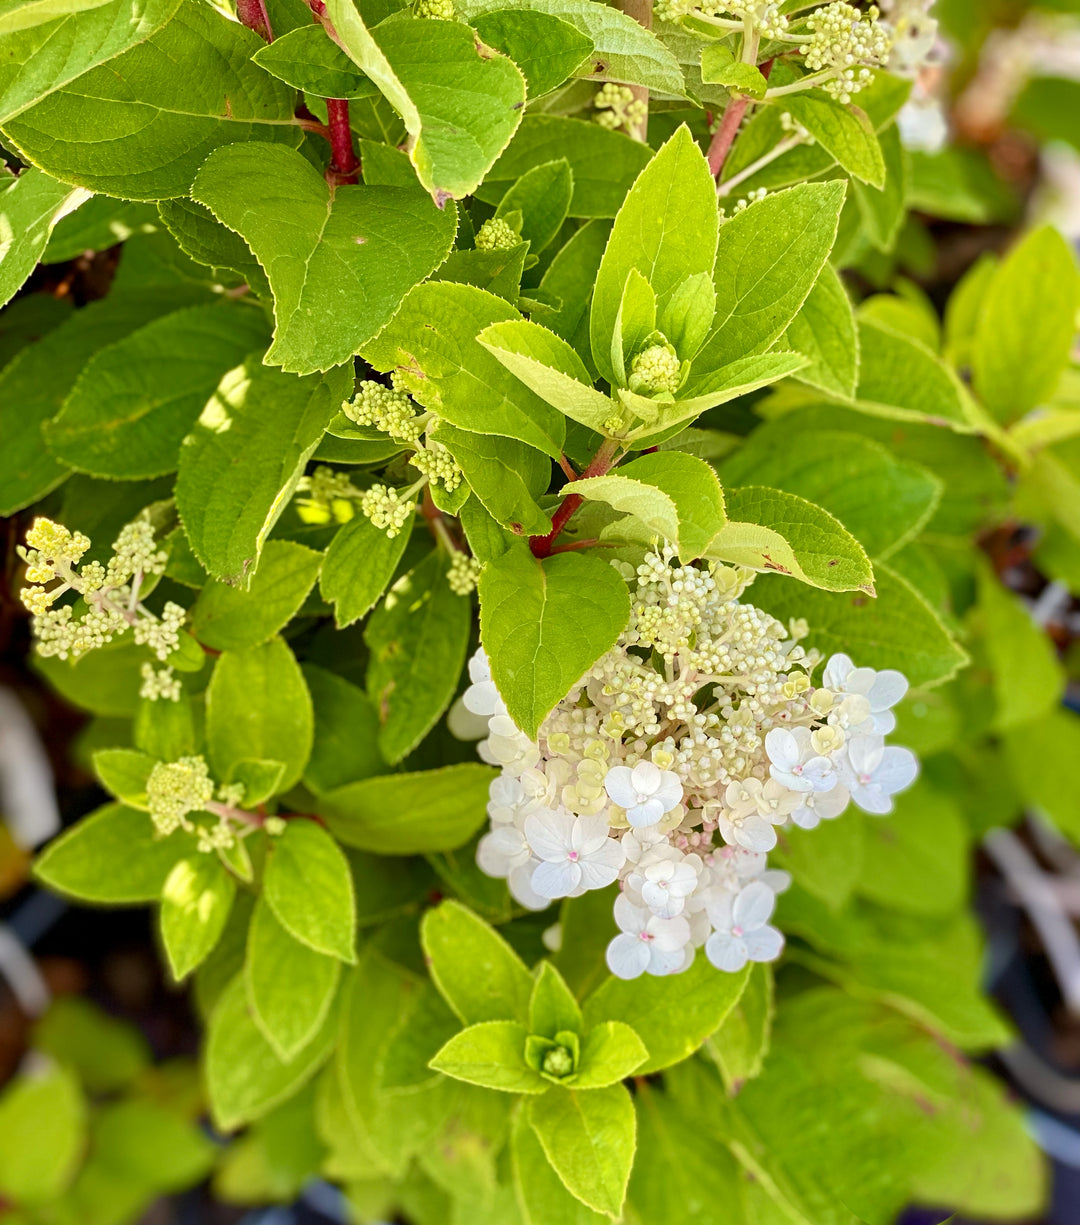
x: 765, y: 944
x: 628, y: 917
x: 899, y: 768
x: 662, y: 903
x: 641, y: 815
x: 554, y: 880
x: 820, y: 773
x: 597, y: 874
x: 753, y: 907
x: 888, y: 688
x: 590, y: 834
x: 646, y: 778
x: 669, y: 934
x: 627, y: 956
x: 782, y: 748
x: 549, y: 834
x: 620, y: 788
x: 870, y: 798
x: 726, y: 952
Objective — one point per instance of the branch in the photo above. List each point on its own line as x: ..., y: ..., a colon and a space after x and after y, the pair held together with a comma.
x: 641, y: 11
x: 344, y: 164
x: 253, y: 14
x: 603, y: 459
x: 725, y: 134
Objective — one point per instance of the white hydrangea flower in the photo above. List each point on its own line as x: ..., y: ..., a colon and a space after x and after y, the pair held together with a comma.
x: 647, y: 944
x: 742, y: 928
x: 873, y: 772
x: 673, y: 762
x: 646, y: 792
x: 576, y: 853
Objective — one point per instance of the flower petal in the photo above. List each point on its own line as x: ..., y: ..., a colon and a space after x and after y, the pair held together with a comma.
x: 646, y: 777
x: 649, y: 813
x: 628, y: 917
x: 590, y: 834
x: 837, y: 671
x: 753, y: 907
x: 726, y: 952
x: 619, y: 787
x: 553, y: 880
x: 627, y: 956
x: 782, y: 748
x: 899, y: 769
x: 765, y: 944
x: 549, y: 834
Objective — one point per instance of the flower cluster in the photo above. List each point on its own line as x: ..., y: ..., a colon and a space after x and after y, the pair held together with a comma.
x: 386, y: 409
x: 846, y: 44
x: 176, y: 789
x: 326, y: 494
x: 616, y: 107
x: 110, y: 593
x: 656, y: 370
x: 159, y: 683
x: 463, y: 573
x: 496, y: 235
x: 387, y: 508
x: 437, y: 464
x: 672, y: 763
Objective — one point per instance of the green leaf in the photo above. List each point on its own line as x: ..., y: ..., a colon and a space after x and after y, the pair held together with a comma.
x: 409, y: 814
x: 544, y: 623
x: 432, y: 342
x: 112, y: 856
x: 883, y: 210
x: 829, y: 865
x: 542, y: 1196
x: 900, y: 377
x: 34, y: 385
x: 308, y: 60
x: 611, y: 1052
x: 1027, y: 325
x: 30, y: 207
x: 675, y: 495
x: 739, y: 1046
x: 290, y: 987
x: 844, y: 132
x: 666, y: 229
x: 352, y: 254
x: 245, y: 1079
x: 135, y: 400
x: 506, y: 475
x: 418, y: 638
x: 46, y: 56
x: 552, y: 1007
x: 359, y: 565
x: 344, y: 749
x: 550, y: 367
x: 883, y: 501
x: 590, y: 1139
x: 240, y: 464
x: 310, y: 889
x: 767, y: 260
x: 545, y: 48
x: 228, y: 619
x: 1042, y: 756
x: 622, y: 49
x: 106, y: 1054
x: 718, y: 67
x: 672, y: 1016
x: 459, y: 107
x: 157, y: 138
x: 258, y: 707
x: 204, y: 239
x: 824, y: 331
x: 604, y: 164
x: 42, y: 1135
x: 1028, y: 680
x: 478, y: 973
x: 124, y: 772
x: 898, y: 629
x: 542, y: 196
x: 772, y: 530
x: 491, y: 1054
x: 195, y: 904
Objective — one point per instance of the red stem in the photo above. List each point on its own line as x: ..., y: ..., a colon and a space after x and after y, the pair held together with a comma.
x: 542, y: 545
x: 725, y: 134
x: 344, y: 164
x: 253, y: 14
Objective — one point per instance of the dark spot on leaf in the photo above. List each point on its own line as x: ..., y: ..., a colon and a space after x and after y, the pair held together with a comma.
x: 835, y: 562
x: 599, y: 66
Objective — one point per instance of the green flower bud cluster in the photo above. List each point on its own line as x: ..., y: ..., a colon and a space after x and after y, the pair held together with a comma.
x: 442, y: 10
x: 384, y: 408
x: 656, y: 371
x: 496, y: 235
x: 463, y: 574
x: 159, y: 684
x: 386, y: 509
x: 110, y: 592
x: 176, y: 788
x: 616, y: 107
x: 438, y: 465
x: 848, y: 43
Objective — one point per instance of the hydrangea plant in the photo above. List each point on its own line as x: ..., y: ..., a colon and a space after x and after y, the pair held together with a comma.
x: 565, y: 312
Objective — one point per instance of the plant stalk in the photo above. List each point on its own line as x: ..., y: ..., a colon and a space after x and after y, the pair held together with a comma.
x: 641, y: 11
x: 344, y: 164
x: 603, y: 459
x: 253, y: 14
x: 725, y: 134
